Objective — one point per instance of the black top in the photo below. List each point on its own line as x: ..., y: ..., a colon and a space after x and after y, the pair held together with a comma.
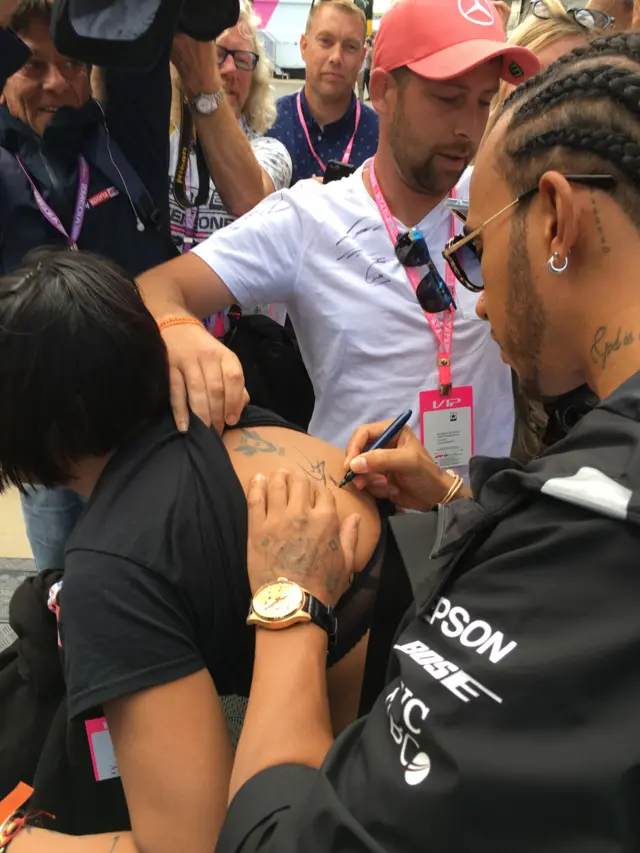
x: 510, y: 717
x: 155, y: 585
x: 155, y: 579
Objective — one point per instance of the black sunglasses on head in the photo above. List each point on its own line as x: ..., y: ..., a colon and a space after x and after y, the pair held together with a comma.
x: 590, y: 19
x: 245, y: 60
x: 432, y: 292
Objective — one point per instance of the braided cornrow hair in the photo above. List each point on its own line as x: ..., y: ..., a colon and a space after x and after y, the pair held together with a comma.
x: 580, y: 114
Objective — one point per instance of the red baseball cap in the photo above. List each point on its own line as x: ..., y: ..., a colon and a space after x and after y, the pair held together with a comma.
x: 441, y: 39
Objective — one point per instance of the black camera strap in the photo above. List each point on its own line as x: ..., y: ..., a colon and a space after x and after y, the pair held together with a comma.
x: 184, y: 152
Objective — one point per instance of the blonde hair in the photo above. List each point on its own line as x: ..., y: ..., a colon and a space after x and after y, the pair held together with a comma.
x: 537, y: 34
x: 347, y: 6
x: 259, y: 109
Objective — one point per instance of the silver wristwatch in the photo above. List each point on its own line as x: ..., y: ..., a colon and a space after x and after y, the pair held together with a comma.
x: 206, y: 104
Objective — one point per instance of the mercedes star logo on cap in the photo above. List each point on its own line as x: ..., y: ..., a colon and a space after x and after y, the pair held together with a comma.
x: 476, y: 12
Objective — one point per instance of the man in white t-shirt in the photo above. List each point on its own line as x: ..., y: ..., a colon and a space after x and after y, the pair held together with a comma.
x: 327, y: 252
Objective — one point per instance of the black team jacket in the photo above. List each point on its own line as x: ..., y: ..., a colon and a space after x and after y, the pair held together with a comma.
x: 509, y: 723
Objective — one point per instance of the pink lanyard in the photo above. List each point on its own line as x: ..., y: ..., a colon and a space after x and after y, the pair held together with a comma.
x: 347, y: 152
x: 80, y: 209
x: 442, y: 328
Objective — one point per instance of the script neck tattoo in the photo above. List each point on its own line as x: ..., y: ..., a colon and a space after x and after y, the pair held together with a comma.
x: 606, y: 343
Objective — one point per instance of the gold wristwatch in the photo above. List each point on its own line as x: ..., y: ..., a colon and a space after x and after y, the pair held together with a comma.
x: 283, y: 603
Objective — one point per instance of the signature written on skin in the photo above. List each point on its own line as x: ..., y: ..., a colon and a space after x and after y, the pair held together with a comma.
x: 252, y: 442
x: 316, y: 470
x: 604, y: 345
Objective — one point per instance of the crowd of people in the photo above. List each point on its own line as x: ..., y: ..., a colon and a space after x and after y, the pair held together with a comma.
x: 228, y: 645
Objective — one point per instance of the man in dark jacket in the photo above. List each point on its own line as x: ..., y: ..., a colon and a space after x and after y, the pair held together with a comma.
x: 49, y: 123
x: 510, y: 716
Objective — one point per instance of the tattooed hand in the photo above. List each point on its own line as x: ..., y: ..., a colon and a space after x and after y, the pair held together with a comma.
x: 295, y: 533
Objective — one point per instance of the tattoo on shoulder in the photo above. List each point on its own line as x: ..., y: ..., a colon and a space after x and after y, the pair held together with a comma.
x: 605, y: 344
x: 115, y: 844
x: 252, y: 443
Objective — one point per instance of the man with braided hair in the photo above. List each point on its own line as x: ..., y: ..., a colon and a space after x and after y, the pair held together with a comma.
x: 510, y: 718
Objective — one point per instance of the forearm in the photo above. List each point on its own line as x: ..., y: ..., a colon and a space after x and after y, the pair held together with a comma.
x: 240, y: 180
x: 163, y: 293
x: 186, y: 285
x: 32, y: 840
x: 287, y: 720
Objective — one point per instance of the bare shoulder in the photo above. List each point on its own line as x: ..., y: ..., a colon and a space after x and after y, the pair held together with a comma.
x: 264, y: 450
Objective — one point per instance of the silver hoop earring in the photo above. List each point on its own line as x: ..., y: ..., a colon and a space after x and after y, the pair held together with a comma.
x: 552, y: 264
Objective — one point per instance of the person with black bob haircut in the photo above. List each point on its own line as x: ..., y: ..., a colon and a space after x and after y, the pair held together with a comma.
x: 153, y: 603
x: 69, y: 408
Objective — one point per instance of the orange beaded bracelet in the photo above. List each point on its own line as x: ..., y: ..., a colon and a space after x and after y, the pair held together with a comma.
x: 178, y: 321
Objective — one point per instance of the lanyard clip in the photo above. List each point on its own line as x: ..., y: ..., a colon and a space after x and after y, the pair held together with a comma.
x: 444, y: 376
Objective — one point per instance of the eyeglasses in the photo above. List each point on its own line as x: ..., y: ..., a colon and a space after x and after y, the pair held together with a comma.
x: 464, y: 257
x: 432, y: 292
x: 245, y: 60
x: 590, y: 19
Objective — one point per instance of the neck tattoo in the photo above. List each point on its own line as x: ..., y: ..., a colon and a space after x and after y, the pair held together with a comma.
x: 606, y: 343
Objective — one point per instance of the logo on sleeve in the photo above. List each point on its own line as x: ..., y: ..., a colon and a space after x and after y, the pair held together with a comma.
x: 476, y: 634
x: 410, y: 714
x: 456, y: 680
x: 476, y: 12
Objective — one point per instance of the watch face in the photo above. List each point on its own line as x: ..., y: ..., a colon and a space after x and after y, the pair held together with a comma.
x: 204, y: 105
x: 278, y: 600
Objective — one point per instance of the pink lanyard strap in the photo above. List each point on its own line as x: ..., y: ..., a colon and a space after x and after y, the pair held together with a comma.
x: 347, y: 151
x: 81, y: 204
x: 441, y: 328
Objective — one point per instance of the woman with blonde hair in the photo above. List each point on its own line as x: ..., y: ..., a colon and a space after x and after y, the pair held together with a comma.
x: 549, y: 31
x: 241, y: 168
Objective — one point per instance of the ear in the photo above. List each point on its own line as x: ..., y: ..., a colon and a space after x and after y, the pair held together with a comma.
x: 383, y: 91
x: 561, y: 212
x: 304, y: 41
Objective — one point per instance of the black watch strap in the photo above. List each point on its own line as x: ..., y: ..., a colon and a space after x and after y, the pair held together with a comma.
x: 323, y: 616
